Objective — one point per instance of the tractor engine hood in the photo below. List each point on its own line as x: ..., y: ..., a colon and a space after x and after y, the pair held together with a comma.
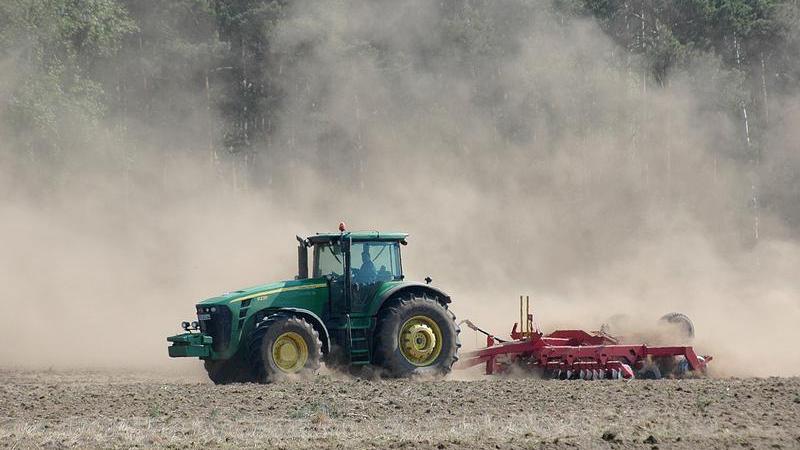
x: 264, y: 293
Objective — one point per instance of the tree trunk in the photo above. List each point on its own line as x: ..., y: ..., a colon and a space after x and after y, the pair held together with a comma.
x: 210, y: 134
x: 753, y: 160
x: 642, y: 42
x: 742, y: 103
x: 764, y: 90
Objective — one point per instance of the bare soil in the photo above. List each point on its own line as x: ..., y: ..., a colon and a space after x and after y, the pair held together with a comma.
x: 105, y: 409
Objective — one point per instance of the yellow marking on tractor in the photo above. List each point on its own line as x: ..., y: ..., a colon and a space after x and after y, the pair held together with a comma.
x: 278, y: 291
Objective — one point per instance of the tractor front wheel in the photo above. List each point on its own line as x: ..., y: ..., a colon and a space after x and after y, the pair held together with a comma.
x: 416, y: 336
x: 227, y: 371
x: 283, y: 345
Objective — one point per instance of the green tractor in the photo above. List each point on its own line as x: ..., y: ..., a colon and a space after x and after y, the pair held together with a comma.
x: 353, y: 311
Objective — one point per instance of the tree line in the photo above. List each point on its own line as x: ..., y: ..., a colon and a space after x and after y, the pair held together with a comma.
x: 207, y: 75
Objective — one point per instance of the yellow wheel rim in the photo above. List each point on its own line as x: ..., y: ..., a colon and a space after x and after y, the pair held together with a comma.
x: 290, y: 352
x: 420, y: 340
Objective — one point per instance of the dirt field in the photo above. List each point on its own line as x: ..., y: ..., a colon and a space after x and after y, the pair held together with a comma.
x: 109, y: 409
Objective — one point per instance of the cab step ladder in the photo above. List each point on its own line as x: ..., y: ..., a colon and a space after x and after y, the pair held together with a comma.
x: 359, y: 344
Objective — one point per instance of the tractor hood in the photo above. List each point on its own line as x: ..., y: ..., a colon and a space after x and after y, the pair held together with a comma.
x: 264, y: 291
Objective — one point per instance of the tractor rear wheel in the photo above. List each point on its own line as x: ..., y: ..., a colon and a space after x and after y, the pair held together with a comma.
x: 283, y: 345
x: 416, y: 336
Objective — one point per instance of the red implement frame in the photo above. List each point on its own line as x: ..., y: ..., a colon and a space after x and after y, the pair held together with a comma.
x: 573, y: 353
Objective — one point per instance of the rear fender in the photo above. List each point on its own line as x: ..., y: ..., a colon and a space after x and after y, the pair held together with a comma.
x: 418, y: 289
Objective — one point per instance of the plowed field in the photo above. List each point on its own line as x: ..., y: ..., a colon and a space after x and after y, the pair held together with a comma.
x: 137, y: 409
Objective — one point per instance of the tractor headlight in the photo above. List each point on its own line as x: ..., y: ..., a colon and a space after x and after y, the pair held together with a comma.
x: 185, y: 325
x: 213, y: 309
x: 195, y: 325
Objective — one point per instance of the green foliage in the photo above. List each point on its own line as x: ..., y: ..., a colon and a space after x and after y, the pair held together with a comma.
x: 251, y: 95
x: 54, y: 44
x: 154, y: 411
x: 210, y: 75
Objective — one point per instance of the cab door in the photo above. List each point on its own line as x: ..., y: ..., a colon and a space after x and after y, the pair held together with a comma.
x: 373, y: 263
x: 331, y: 261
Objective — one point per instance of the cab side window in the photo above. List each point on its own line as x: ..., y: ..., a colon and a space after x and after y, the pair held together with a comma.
x: 375, y: 262
x: 327, y: 260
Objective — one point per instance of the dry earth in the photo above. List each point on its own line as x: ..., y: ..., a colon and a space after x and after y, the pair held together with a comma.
x: 113, y: 409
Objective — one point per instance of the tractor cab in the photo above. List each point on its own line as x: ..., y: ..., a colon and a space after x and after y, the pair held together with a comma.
x: 356, y: 264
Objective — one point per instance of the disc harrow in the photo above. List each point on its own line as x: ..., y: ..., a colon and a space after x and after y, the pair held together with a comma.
x: 578, y: 354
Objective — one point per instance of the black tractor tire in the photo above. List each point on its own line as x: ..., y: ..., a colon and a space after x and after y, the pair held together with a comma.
x: 388, y: 354
x: 681, y: 322
x: 263, y: 366
x: 228, y: 371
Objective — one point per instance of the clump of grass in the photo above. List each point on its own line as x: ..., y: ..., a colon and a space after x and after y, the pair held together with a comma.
x: 702, y: 403
x: 154, y: 411
x: 318, y: 412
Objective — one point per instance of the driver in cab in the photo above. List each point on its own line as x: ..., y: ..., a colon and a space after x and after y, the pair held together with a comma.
x: 366, y: 274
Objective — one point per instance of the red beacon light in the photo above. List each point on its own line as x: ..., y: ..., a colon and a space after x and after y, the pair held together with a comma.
x: 341, y: 227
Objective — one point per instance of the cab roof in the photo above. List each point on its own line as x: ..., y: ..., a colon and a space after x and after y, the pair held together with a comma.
x: 359, y: 236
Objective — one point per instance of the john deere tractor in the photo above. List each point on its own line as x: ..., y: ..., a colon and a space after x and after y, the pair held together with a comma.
x: 355, y: 309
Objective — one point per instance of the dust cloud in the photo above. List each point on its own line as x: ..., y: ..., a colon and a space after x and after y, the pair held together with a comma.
x: 543, y: 169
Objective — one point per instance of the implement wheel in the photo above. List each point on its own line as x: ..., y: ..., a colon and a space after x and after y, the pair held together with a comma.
x: 282, y: 345
x: 416, y: 336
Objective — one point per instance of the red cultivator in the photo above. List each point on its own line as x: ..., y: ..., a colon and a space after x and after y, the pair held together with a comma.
x: 577, y: 354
